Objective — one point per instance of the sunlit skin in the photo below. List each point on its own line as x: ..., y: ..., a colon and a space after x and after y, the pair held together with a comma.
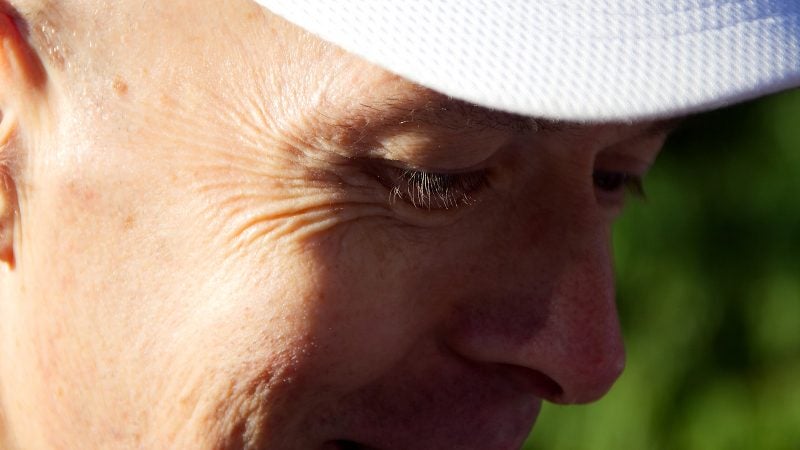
x: 208, y: 242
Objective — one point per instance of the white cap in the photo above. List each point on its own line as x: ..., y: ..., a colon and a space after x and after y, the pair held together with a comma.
x: 594, y: 60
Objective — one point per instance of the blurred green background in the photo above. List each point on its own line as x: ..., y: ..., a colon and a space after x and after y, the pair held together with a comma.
x: 708, y: 271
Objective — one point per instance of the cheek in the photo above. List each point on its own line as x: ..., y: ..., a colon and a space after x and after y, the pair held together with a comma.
x: 175, y: 299
x: 180, y: 298
x: 383, y: 287
x: 141, y: 321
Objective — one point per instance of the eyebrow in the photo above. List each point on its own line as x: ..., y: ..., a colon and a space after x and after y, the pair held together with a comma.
x: 437, y: 110
x: 665, y: 126
x: 429, y: 108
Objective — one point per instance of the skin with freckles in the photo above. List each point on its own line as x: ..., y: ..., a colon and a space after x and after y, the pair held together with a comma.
x: 220, y: 232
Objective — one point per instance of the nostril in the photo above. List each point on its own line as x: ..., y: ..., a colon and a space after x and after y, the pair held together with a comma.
x: 535, y: 382
x: 590, y: 381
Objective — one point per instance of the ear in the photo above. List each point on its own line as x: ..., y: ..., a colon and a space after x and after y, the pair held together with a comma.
x: 8, y: 189
x: 8, y: 208
x: 20, y: 67
x: 21, y: 76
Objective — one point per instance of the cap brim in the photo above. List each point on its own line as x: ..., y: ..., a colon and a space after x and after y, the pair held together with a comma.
x: 579, y: 60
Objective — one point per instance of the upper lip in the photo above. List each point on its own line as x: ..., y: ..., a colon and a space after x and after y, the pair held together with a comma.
x: 447, y: 409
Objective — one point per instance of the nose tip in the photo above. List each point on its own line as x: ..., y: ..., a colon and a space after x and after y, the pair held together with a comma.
x: 571, y: 357
x: 570, y: 338
x: 551, y: 313
x: 588, y: 374
x: 580, y: 348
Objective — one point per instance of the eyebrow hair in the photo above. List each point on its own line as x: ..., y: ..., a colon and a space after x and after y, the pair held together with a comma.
x: 425, y: 107
x: 440, y: 111
x: 664, y: 126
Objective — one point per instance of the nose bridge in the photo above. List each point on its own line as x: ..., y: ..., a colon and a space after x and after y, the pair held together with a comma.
x: 555, y: 312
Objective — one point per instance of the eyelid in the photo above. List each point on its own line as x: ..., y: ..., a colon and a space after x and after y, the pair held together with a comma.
x: 618, y: 162
x: 635, y: 186
x: 618, y: 190
x: 403, y: 165
x: 635, y: 156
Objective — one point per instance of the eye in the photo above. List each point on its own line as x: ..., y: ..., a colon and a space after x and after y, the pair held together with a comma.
x: 613, y: 186
x: 432, y: 190
x: 609, y: 181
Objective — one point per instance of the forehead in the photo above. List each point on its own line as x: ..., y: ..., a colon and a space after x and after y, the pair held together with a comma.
x: 424, y: 106
x: 344, y: 97
x: 364, y: 96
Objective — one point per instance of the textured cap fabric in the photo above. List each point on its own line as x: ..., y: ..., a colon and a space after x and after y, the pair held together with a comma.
x: 571, y: 59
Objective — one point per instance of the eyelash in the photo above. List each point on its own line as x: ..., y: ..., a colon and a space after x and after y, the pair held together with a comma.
x: 618, y: 182
x: 444, y: 191
x: 433, y: 190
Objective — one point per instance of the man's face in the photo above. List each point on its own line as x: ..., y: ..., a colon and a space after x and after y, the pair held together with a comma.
x: 231, y: 235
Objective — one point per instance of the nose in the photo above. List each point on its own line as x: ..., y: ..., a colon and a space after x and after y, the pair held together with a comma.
x: 551, y: 317
x: 580, y: 347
